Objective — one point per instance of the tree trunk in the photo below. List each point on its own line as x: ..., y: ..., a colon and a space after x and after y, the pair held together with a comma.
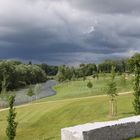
x: 115, y: 105
x: 113, y: 108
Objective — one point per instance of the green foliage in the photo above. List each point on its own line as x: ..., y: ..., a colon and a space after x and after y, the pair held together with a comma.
x: 68, y: 73
x: 14, y: 75
x: 120, y: 65
x: 12, y: 125
x: 123, y: 79
x: 65, y: 73
x: 112, y: 90
x: 113, y: 73
x: 89, y: 84
x: 37, y: 89
x: 95, y: 75
x: 112, y: 93
x: 135, y: 63
x: 49, y: 70
x: 4, y: 94
x: 112, y: 87
x: 30, y: 92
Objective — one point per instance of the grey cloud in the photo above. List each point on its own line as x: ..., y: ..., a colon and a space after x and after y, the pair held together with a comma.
x: 109, y: 6
x: 69, y: 32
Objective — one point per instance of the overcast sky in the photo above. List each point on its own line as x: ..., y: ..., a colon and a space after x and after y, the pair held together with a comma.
x: 69, y: 31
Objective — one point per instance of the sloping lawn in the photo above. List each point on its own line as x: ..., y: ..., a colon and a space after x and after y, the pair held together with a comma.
x: 43, y: 121
x: 79, y: 88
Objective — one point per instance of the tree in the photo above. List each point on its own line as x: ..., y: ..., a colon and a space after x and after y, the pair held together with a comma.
x: 49, y: 70
x: 89, y: 85
x: 112, y: 93
x: 95, y: 75
x: 15, y: 75
x: 12, y: 124
x: 65, y: 73
x: 3, y: 94
x: 113, y: 73
x: 30, y: 63
x: 30, y: 93
x: 123, y: 79
x: 135, y: 67
x: 37, y: 90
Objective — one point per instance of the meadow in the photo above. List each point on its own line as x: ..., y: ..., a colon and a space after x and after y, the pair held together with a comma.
x: 74, y: 104
x: 78, y: 88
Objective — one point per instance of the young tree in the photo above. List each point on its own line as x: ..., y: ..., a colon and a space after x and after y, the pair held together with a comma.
x: 37, y: 90
x: 89, y: 85
x: 135, y: 67
x: 113, y: 73
x: 30, y: 93
x: 4, y: 94
x: 12, y: 124
x: 112, y: 93
x: 123, y: 79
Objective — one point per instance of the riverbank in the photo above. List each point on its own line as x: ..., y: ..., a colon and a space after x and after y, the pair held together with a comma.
x: 45, y: 91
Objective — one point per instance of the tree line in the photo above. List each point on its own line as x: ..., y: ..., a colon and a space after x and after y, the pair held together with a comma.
x: 15, y: 74
x: 71, y: 73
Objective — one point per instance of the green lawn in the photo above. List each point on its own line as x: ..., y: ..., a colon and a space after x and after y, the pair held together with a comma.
x: 79, y: 88
x: 43, y: 121
x: 74, y: 104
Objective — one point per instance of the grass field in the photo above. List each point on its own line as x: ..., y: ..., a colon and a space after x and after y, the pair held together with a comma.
x: 79, y: 88
x: 44, y: 119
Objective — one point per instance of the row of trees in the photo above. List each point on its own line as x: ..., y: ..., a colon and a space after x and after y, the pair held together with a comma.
x: 49, y: 70
x: 71, y: 73
x: 121, y: 66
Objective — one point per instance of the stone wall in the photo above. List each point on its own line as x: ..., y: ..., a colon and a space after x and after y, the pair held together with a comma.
x: 122, y: 129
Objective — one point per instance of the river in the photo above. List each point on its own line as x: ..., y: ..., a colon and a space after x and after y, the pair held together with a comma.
x: 45, y: 91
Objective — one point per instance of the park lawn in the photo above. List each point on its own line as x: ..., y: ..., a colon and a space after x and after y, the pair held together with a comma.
x: 76, y: 89
x: 44, y: 120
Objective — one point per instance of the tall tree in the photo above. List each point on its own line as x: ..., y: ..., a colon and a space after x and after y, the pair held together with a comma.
x: 135, y: 67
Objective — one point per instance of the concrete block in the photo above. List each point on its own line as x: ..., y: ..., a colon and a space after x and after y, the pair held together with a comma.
x: 122, y: 129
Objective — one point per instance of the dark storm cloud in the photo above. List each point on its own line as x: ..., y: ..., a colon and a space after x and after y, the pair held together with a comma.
x: 69, y: 31
x: 109, y: 6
